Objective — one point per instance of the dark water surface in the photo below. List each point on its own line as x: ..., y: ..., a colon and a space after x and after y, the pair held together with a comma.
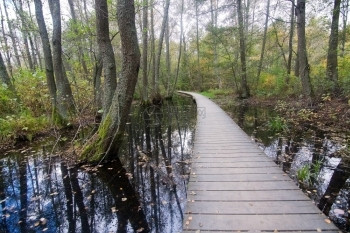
x: 39, y: 192
x: 317, y: 160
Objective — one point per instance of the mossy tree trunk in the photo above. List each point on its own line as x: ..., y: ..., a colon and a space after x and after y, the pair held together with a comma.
x: 106, y: 142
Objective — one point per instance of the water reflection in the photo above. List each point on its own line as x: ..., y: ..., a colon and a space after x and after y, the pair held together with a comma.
x: 311, y: 150
x: 39, y: 192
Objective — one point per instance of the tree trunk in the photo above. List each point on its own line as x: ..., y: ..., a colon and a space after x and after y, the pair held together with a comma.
x: 153, y: 53
x: 145, y: 51
x: 200, y: 77
x: 304, y: 67
x: 106, y: 51
x: 7, y: 52
x: 244, y: 86
x: 50, y: 78
x: 4, y: 77
x: 160, y: 46
x: 263, y: 42
x: 214, y: 19
x: 65, y: 101
x: 80, y: 49
x: 180, y: 46
x: 345, y: 20
x: 12, y: 35
x: 167, y: 57
x: 332, y: 57
x: 24, y: 30
x: 290, y: 42
x: 106, y: 142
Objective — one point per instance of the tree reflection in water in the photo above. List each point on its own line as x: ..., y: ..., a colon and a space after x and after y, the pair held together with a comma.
x: 41, y: 193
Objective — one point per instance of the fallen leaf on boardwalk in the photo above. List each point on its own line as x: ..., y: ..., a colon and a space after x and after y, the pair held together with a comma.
x: 198, y: 231
x: 275, y: 230
x: 190, y: 218
x: 200, y: 224
x: 319, y: 230
x: 327, y: 221
x: 187, y: 223
x: 193, y: 193
x: 339, y: 211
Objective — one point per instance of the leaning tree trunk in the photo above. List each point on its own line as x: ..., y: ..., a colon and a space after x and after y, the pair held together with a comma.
x: 50, y: 78
x: 332, y: 57
x: 106, y: 142
x: 145, y: 51
x: 80, y: 49
x: 244, y: 85
x: 304, y: 67
x: 7, y: 51
x: 160, y: 46
x: 290, y: 42
x: 65, y: 101
x: 345, y: 13
x: 12, y: 36
x: 106, y: 51
x: 4, y: 77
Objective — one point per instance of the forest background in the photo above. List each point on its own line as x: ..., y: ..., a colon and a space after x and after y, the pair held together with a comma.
x: 274, y: 49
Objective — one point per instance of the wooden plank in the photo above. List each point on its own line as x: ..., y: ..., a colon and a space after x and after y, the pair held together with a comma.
x: 229, y: 171
x: 235, y: 165
x: 231, y: 160
x: 252, y: 207
x: 273, y: 223
x: 266, y: 195
x: 237, y: 177
x: 247, y: 186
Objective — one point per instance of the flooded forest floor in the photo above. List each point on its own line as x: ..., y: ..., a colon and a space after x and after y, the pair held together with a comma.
x: 310, y: 142
x: 44, y: 189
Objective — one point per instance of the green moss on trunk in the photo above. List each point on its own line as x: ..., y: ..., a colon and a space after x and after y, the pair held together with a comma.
x: 95, y: 149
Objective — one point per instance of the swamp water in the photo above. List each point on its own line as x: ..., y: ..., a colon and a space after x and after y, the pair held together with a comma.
x: 39, y: 192
x: 314, y: 157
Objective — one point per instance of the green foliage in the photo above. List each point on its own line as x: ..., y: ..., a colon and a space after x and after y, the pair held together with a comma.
x: 214, y: 93
x: 32, y: 91
x: 8, y: 101
x: 23, y: 124
x: 304, y: 174
x: 278, y: 124
x: 307, y: 174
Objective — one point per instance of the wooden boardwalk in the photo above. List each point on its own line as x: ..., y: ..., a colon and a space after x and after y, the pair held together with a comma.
x: 235, y: 187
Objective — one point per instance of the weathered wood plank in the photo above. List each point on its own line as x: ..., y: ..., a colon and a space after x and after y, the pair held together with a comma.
x: 242, y: 186
x: 229, y: 171
x: 292, y: 222
x: 266, y: 195
x: 252, y: 207
x: 234, y: 165
x: 237, y: 177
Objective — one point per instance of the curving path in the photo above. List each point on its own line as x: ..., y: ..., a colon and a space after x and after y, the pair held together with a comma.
x: 235, y: 187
